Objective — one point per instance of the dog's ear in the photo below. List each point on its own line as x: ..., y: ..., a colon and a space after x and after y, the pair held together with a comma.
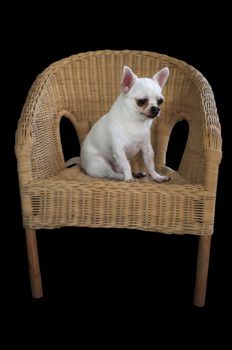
x: 161, y: 76
x: 128, y: 79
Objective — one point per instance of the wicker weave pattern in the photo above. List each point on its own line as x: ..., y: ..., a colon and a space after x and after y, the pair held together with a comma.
x: 100, y: 203
x: 82, y: 87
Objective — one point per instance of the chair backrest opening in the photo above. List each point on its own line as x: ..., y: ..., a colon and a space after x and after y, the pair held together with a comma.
x: 177, y: 143
x: 69, y: 139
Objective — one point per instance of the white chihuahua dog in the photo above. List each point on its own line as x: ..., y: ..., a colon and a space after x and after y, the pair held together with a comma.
x: 125, y: 130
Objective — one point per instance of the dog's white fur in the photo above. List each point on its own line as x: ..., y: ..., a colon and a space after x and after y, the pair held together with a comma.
x: 125, y: 130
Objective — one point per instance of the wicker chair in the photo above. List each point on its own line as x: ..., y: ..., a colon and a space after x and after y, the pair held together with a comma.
x: 82, y: 88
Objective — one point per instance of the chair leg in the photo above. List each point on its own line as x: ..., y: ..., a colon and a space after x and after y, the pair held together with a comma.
x: 202, y: 270
x: 33, y: 261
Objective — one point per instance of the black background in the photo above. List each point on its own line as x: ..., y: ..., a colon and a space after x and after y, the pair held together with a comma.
x: 113, y: 274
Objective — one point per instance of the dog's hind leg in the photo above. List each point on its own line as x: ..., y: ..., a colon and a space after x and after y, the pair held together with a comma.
x: 99, y: 167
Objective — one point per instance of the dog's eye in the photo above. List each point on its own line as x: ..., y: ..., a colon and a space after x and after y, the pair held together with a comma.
x: 141, y: 101
x: 160, y: 101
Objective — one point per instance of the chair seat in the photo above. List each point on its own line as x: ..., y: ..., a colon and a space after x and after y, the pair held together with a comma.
x: 73, y: 198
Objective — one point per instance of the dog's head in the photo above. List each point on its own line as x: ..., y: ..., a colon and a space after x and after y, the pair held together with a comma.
x: 143, y: 95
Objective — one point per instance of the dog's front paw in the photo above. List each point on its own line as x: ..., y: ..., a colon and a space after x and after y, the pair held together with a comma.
x: 162, y: 178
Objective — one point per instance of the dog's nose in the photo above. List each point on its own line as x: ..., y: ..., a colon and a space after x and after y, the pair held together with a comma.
x: 155, y: 110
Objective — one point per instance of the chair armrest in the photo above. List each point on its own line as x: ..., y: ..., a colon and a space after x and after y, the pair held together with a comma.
x: 202, y: 153
x: 37, y: 141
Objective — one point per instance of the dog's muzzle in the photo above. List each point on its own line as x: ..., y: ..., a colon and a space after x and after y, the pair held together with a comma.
x: 155, y: 111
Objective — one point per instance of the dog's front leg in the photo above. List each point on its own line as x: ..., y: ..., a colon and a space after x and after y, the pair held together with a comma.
x: 122, y: 163
x: 148, y: 157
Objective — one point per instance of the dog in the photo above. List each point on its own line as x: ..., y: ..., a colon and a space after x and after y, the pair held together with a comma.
x: 125, y: 130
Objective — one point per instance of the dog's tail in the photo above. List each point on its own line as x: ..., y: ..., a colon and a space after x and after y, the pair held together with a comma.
x: 72, y: 161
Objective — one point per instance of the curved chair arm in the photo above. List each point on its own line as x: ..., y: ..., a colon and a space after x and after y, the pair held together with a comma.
x: 37, y: 140
x: 202, y: 154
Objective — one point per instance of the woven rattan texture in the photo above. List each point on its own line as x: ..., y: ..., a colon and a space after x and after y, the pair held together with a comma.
x: 82, y: 88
